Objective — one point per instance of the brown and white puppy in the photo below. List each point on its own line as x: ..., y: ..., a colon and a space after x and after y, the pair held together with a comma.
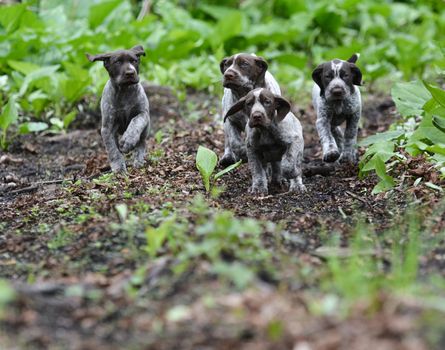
x: 124, y: 107
x: 241, y: 73
x: 336, y: 99
x: 273, y: 136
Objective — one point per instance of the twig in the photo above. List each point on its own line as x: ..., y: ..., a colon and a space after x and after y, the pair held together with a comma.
x: 22, y: 190
x: 145, y: 10
x: 356, y: 197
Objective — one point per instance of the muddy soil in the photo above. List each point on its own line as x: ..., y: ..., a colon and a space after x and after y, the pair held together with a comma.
x: 71, y: 266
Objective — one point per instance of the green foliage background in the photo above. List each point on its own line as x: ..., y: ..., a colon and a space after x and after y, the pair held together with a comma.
x: 43, y: 44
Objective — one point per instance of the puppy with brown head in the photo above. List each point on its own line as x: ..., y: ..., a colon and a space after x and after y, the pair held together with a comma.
x: 124, y: 107
x: 336, y: 99
x: 273, y: 136
x: 241, y: 73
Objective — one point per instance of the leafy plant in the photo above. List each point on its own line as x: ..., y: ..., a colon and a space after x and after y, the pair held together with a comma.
x: 420, y: 133
x: 206, y: 161
x: 8, y: 117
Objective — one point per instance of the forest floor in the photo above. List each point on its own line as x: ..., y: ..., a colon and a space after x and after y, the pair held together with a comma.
x: 84, y: 278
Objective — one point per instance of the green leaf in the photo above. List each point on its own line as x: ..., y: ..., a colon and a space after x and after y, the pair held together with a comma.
x: 100, y: 11
x: 43, y: 72
x: 157, y: 236
x: 206, y: 161
x: 439, y: 123
x: 379, y: 137
x: 410, y: 98
x: 229, y: 168
x: 29, y: 127
x: 9, y: 114
x: 122, y: 211
x: 387, y: 182
x: 7, y: 292
x: 10, y: 16
x: 67, y: 120
x: 438, y: 94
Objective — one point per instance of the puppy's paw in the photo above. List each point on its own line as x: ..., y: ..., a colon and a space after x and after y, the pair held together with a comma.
x: 349, y: 157
x: 138, y: 164
x: 227, y: 159
x: 126, y: 144
x: 258, y: 190
x: 331, y: 156
x: 297, y: 187
x: 118, y: 167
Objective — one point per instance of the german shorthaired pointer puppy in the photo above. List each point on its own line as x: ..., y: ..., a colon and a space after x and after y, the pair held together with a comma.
x: 241, y: 73
x: 124, y: 106
x: 274, y: 136
x: 336, y: 99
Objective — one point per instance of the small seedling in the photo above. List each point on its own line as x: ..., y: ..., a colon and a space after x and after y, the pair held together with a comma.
x: 206, y: 161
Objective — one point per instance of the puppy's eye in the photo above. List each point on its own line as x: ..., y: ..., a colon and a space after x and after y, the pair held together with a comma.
x: 249, y: 103
x: 244, y: 64
x: 267, y: 103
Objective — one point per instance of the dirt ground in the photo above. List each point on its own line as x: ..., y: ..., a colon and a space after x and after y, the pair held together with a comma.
x: 72, y: 287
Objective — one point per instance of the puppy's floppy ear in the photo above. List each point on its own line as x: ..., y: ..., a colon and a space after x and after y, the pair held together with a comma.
x: 282, y: 106
x: 222, y: 64
x: 353, y: 58
x: 138, y: 50
x: 236, y: 107
x: 317, y: 76
x: 261, y: 63
x: 99, y: 57
x: 356, y: 75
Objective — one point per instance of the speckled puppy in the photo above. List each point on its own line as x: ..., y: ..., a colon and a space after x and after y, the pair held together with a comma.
x: 241, y: 73
x: 336, y: 99
x: 124, y: 106
x: 273, y: 136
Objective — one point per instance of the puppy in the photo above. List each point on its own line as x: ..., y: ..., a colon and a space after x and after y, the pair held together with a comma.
x: 336, y: 99
x: 273, y: 135
x: 241, y: 73
x: 124, y: 107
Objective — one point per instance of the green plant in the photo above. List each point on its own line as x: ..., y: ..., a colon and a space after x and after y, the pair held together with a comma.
x: 206, y: 161
x: 420, y: 132
x: 8, y: 117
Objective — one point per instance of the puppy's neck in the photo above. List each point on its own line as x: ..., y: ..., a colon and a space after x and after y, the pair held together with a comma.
x: 242, y: 91
x: 272, y: 131
x: 123, y: 89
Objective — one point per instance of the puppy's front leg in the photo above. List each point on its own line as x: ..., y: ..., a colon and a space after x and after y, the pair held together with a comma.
x: 115, y: 157
x: 140, y: 149
x: 234, y: 147
x: 132, y: 135
x: 349, y: 154
x: 257, y: 169
x: 330, y: 149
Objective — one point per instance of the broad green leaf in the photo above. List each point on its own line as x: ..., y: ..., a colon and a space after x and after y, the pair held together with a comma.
x: 67, y: 120
x: 100, y: 11
x: 438, y: 94
x: 29, y: 127
x: 410, y: 98
x: 206, y: 161
x: 23, y: 67
x: 157, y: 236
x: 427, y: 131
x: 10, y: 16
x: 44, y: 72
x: 386, y: 182
x: 9, y: 114
x: 379, y: 137
x: 226, y: 170
x: 439, y: 123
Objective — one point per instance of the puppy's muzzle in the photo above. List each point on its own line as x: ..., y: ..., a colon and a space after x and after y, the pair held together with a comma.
x: 256, y: 119
x: 230, y: 77
x: 337, y: 92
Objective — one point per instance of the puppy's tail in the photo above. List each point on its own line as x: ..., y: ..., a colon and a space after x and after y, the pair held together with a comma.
x: 354, y: 58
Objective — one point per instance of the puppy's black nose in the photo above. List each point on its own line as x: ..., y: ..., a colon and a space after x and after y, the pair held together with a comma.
x: 257, y: 116
x: 229, y: 74
x: 337, y: 91
x: 130, y: 74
